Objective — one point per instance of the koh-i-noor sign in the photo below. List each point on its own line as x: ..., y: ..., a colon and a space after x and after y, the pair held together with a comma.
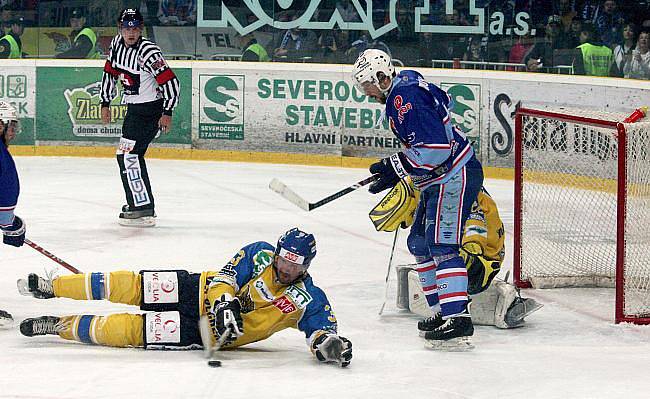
x: 364, y: 13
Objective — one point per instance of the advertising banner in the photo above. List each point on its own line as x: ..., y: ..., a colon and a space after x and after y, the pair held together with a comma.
x: 287, y: 110
x: 17, y: 87
x: 506, y: 96
x: 69, y: 107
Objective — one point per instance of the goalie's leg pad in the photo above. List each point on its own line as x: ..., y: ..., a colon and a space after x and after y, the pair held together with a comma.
x: 168, y: 290
x: 171, y: 330
x: 490, y: 307
x: 119, y: 330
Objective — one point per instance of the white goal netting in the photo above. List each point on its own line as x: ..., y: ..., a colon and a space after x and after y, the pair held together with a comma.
x: 584, y: 208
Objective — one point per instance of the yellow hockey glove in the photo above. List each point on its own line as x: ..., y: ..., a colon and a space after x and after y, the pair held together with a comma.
x: 480, y: 270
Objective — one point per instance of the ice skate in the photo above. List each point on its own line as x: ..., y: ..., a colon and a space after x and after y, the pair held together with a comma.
x: 5, y: 320
x: 36, y: 286
x: 454, y: 335
x: 44, y: 325
x: 430, y: 324
x: 137, y: 218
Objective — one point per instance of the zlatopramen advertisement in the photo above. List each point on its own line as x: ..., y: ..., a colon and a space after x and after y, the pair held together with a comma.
x: 69, y: 107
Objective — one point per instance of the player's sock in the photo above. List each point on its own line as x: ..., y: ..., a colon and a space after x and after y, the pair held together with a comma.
x: 120, y: 330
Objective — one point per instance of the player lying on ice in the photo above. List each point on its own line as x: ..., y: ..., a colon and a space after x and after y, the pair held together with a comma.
x: 493, y: 302
x: 262, y: 290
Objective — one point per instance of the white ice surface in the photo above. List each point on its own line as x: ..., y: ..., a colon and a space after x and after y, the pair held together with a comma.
x: 206, y: 212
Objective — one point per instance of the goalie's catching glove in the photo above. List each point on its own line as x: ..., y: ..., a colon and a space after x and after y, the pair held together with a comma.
x: 225, y: 319
x: 14, y: 234
x: 333, y: 348
x: 390, y: 171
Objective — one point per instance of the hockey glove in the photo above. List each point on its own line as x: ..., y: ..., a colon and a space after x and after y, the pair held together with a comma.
x: 14, y: 234
x: 391, y: 170
x: 226, y: 320
x: 333, y: 348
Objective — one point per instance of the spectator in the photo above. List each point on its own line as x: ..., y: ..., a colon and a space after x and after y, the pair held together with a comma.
x: 347, y: 11
x: 10, y: 44
x: 567, y: 12
x: 639, y: 65
x: 5, y: 19
x: 539, y: 10
x: 520, y: 50
x: 252, y: 51
x: 363, y: 43
x: 428, y: 49
x: 82, y: 38
x: 177, y: 12
x: 623, y: 51
x: 609, y: 23
x: 333, y: 45
x: 592, y: 57
x: 573, y: 35
x: 591, y: 9
x: 542, y: 53
x: 297, y: 44
x: 476, y: 50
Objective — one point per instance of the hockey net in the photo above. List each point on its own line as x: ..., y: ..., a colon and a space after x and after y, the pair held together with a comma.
x: 582, y: 205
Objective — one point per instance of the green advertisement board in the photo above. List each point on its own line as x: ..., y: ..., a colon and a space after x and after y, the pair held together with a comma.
x: 69, y: 107
x: 17, y: 86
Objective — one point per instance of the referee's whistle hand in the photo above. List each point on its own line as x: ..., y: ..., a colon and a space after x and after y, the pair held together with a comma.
x: 165, y: 123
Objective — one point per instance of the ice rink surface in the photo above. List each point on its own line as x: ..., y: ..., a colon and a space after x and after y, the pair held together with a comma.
x: 207, y: 211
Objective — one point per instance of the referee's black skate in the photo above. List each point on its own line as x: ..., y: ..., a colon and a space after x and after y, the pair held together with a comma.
x: 44, y: 325
x: 137, y: 218
x: 5, y: 319
x: 453, y: 335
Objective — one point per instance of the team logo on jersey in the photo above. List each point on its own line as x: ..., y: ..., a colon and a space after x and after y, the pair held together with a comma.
x: 221, y: 107
x: 299, y: 296
x: 261, y: 261
x: 284, y: 304
x: 264, y: 291
x: 401, y: 108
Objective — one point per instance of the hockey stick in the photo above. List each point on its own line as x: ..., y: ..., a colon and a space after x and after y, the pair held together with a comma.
x: 210, y: 348
x: 290, y: 195
x: 390, y: 265
x: 52, y: 256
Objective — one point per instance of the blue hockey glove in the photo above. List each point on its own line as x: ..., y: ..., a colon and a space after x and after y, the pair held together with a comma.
x: 14, y: 234
x: 226, y: 321
x: 391, y: 170
x: 333, y: 348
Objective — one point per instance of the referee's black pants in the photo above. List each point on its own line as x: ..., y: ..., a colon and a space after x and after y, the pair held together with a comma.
x: 139, y: 129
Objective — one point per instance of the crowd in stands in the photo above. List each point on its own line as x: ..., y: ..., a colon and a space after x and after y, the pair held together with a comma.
x: 590, y: 37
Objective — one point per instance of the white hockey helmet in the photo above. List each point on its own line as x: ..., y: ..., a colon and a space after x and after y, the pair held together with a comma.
x: 7, y: 112
x: 368, y: 65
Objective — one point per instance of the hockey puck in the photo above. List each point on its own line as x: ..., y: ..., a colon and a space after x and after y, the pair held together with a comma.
x: 214, y: 363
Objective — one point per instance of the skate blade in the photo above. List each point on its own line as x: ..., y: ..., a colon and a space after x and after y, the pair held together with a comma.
x: 462, y: 344
x: 23, y: 288
x: 146, y: 221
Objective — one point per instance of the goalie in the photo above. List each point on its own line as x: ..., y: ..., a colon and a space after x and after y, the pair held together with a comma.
x: 494, y: 302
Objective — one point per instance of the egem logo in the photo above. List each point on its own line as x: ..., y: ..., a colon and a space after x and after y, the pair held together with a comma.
x: 221, y: 105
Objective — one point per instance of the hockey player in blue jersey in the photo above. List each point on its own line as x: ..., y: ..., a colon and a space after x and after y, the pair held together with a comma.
x: 13, y: 227
x: 441, y: 164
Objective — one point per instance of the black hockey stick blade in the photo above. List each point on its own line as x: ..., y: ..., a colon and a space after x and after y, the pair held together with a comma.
x: 290, y: 195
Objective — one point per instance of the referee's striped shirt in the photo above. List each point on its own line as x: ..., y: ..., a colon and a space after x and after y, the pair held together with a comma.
x: 143, y: 72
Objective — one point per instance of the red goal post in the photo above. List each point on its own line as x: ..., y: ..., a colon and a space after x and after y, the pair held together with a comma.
x: 582, y: 205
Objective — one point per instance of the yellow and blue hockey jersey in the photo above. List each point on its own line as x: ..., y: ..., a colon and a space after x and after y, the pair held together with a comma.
x: 267, y: 305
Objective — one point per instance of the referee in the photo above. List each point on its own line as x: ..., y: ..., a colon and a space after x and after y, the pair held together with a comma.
x: 151, y: 91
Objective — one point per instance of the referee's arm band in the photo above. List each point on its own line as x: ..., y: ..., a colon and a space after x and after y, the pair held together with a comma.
x: 167, y: 112
x: 106, y: 104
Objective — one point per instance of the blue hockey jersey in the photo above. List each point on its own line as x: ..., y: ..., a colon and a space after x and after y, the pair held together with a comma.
x: 418, y: 114
x: 9, y: 187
